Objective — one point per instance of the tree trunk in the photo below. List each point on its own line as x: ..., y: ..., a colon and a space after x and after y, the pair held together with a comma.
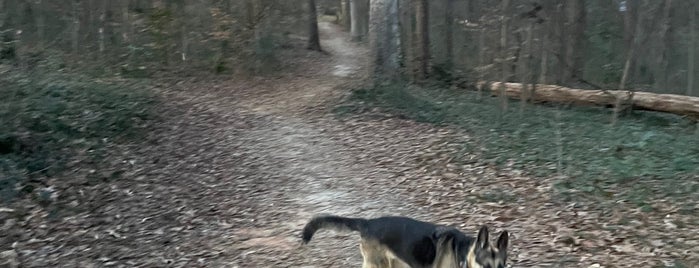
x: 384, y: 40
x: 527, y: 72
x: 504, y: 31
x: 468, y: 12
x: 664, y: 41
x: 481, y: 56
x: 359, y: 19
x: 125, y: 23
x: 624, y: 102
x: 574, y: 47
x: 545, y: 47
x: 668, y: 103
x: 3, y: 13
x: 692, y: 50
x: 40, y: 24
x: 354, y: 20
x: 313, y: 36
x: 76, y: 28
x: 407, y: 44
x: 630, y: 16
x: 543, y: 79
x: 185, y: 32
x: 346, y: 18
x: 102, y: 26
x: 558, y: 36
x: 422, y: 12
x: 364, y: 10
x: 449, y: 35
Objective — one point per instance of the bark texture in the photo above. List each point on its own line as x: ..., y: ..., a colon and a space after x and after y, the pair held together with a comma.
x: 313, y: 36
x: 668, y: 103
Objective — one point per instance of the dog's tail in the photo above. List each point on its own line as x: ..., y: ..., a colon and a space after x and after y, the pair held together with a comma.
x: 332, y: 222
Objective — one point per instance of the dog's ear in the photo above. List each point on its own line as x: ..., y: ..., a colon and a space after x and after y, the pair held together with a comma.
x: 503, y: 240
x: 482, y: 240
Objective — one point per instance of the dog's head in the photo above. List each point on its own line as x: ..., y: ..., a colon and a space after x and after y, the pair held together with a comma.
x: 482, y: 254
x: 456, y: 250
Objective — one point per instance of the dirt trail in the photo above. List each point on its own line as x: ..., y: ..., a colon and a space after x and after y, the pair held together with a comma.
x: 240, y: 166
x: 318, y: 172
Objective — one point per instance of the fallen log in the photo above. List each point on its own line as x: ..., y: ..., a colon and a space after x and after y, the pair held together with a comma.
x: 668, y: 103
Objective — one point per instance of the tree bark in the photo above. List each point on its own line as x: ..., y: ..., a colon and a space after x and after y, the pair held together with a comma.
x: 3, y: 13
x: 449, y: 35
x: 364, y: 10
x: 313, y: 36
x: 662, y: 60
x: 125, y: 23
x: 406, y: 33
x: 574, y: 47
x: 633, y: 38
x: 558, y: 25
x: 504, y: 32
x: 692, y: 49
x: 184, y: 32
x: 668, y: 103
x: 623, y: 102
x: 346, y: 17
x: 76, y: 28
x: 630, y: 17
x: 422, y: 12
x: 384, y: 40
x: 355, y: 20
x: 102, y: 26
x: 40, y: 24
x: 527, y: 72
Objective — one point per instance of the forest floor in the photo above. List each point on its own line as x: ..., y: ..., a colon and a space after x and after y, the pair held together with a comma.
x: 239, y: 167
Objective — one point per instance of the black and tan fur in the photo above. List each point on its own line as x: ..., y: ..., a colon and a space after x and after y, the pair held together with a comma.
x: 401, y: 242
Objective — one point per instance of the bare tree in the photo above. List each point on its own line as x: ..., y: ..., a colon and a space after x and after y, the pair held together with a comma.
x: 574, y: 41
x: 40, y: 23
x: 528, y: 75
x: 355, y: 20
x: 384, y: 39
x: 184, y: 31
x: 3, y: 13
x: 346, y: 17
x: 313, y: 36
x: 407, y: 38
x: 504, y: 32
x: 126, y: 27
x: 621, y: 103
x: 422, y: 12
x: 449, y: 34
x: 631, y: 15
x: 692, y: 49
x: 76, y: 28
x: 102, y: 26
x: 664, y: 46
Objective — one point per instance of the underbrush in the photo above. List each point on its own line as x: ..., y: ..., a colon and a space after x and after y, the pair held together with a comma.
x: 51, y: 121
x: 646, y: 155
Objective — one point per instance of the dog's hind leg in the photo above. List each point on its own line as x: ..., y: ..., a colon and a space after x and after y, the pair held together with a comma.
x: 374, y: 255
x: 393, y: 261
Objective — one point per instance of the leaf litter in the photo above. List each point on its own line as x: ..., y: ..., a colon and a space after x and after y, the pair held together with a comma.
x: 238, y: 167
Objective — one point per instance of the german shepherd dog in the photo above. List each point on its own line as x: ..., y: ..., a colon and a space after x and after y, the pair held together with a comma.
x: 401, y: 242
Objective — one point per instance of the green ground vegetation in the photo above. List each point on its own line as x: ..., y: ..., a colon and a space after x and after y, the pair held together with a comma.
x: 48, y: 119
x: 645, y: 155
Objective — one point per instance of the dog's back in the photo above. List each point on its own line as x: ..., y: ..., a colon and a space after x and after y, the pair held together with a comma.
x: 409, y: 239
x: 404, y: 238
